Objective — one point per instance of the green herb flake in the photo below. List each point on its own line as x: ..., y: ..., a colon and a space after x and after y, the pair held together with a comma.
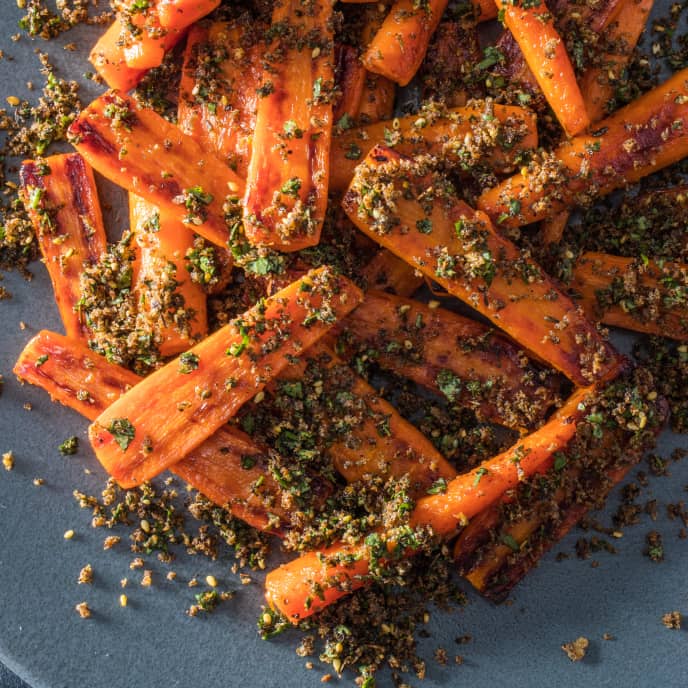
x: 123, y: 432
x: 69, y: 446
x: 188, y: 362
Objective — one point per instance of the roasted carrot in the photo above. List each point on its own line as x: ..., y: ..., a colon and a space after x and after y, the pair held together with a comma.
x: 484, y: 10
x: 637, y: 294
x: 497, y: 134
x: 451, y: 355
x: 61, y: 198
x: 76, y: 377
x: 399, y: 46
x: 220, y: 112
x: 413, y: 211
x: 180, y: 405
x: 380, y: 442
x: 532, y: 25
x: 386, y: 272
x: 142, y: 152
x: 178, y: 14
x: 552, y: 228
x: 314, y: 580
x: 597, y: 84
x: 643, y: 137
x: 166, y: 294
x: 107, y: 56
x: 287, y: 179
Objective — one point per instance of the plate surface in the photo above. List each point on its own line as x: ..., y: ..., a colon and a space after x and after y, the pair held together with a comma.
x: 152, y: 643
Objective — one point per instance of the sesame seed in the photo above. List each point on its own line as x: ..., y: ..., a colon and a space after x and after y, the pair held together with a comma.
x: 123, y: 599
x: 69, y: 534
x: 211, y: 581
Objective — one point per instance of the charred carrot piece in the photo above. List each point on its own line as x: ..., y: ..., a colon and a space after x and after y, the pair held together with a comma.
x: 107, y: 56
x: 484, y: 10
x: 443, y: 135
x: 597, y: 84
x: 287, y: 179
x: 532, y: 25
x: 178, y: 14
x: 641, y: 138
x: 382, y: 443
x: 140, y: 151
x: 306, y: 585
x: 386, y: 272
x: 76, y: 377
x: 637, y: 294
x: 398, y: 48
x: 221, y: 119
x: 460, y: 249
x: 61, y: 198
x: 552, y: 228
x: 161, y: 279
x: 180, y: 405
x: 451, y: 355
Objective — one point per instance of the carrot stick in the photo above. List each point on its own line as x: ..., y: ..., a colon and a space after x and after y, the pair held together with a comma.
x: 459, y: 249
x: 178, y: 14
x: 552, y: 228
x: 60, y: 196
x: 398, y: 48
x: 451, y: 355
x: 382, y: 443
x: 532, y: 25
x: 139, y: 150
x: 107, y: 56
x: 443, y: 135
x: 306, y: 585
x: 76, y: 377
x: 287, y: 179
x: 643, y: 137
x: 180, y: 405
x: 386, y: 272
x: 161, y: 279
x: 219, y: 90
x: 597, y: 84
x: 637, y: 294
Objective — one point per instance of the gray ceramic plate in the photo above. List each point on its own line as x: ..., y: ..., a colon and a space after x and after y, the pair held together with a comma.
x: 153, y: 644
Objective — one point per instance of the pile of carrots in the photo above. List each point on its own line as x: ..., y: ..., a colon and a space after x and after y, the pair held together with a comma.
x: 263, y: 159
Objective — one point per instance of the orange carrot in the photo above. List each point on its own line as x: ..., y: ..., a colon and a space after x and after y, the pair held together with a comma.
x: 306, y: 585
x: 142, y: 152
x: 107, y: 57
x: 441, y: 134
x: 552, y: 228
x: 643, y: 137
x: 222, y: 120
x: 451, y: 355
x: 287, y: 179
x: 178, y: 14
x: 637, y: 294
x: 61, y: 198
x: 386, y: 272
x: 532, y: 25
x: 413, y: 211
x: 161, y: 277
x: 180, y: 405
x: 597, y: 84
x: 398, y: 48
x: 76, y: 377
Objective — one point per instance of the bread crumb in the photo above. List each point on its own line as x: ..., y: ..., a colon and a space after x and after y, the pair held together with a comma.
x: 575, y: 650
x: 672, y: 620
x: 83, y: 610
x: 86, y: 575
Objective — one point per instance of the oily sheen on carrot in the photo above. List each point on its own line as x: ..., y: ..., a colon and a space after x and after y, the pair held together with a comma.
x: 639, y: 139
x: 505, y: 132
x: 306, y: 585
x: 76, y: 377
x: 60, y: 196
x: 140, y: 151
x: 413, y: 211
x: 107, y: 56
x: 449, y: 354
x: 178, y: 14
x: 287, y: 179
x: 398, y: 48
x: 639, y: 295
x: 180, y: 405
x: 224, y: 120
x: 532, y: 25
x: 161, y: 244
x: 386, y: 272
